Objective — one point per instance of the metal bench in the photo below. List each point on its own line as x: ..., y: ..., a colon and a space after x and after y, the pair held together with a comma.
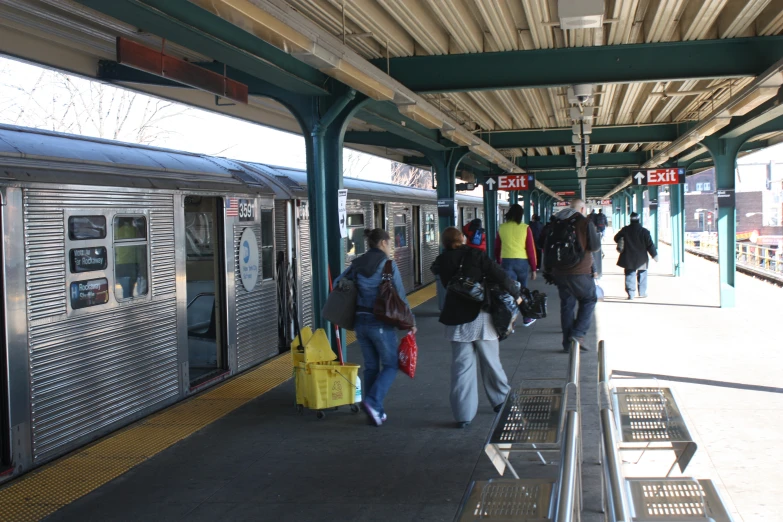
x: 532, y: 499
x: 643, y: 499
x: 649, y: 420
x: 532, y: 420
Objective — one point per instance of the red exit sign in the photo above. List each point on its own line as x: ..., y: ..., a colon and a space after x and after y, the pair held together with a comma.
x: 511, y: 182
x: 565, y: 193
x: 674, y: 176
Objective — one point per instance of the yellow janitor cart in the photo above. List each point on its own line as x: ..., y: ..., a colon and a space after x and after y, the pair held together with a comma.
x: 322, y: 382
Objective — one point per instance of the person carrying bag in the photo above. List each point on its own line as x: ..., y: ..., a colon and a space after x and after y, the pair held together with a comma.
x: 469, y: 327
x: 380, y: 294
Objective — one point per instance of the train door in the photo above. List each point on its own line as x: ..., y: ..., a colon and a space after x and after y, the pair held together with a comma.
x: 416, y: 245
x: 205, y: 275
x: 5, y: 414
x: 380, y: 215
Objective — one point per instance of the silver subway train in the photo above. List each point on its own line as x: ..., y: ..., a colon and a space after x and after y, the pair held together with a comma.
x: 135, y: 276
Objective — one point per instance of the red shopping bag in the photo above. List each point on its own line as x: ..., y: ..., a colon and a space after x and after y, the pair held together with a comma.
x: 407, y: 353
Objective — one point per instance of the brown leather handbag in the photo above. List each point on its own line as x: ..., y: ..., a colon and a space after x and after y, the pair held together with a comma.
x: 388, y: 307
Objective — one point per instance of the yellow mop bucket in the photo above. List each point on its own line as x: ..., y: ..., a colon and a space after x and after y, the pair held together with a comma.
x: 321, y: 382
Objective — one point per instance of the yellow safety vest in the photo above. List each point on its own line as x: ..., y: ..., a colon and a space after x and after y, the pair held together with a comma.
x: 513, y: 237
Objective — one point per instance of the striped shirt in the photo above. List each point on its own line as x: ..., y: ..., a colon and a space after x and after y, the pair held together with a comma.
x: 480, y: 329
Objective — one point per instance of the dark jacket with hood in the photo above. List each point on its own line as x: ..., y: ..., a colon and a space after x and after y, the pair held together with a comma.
x: 476, y: 265
x: 637, y: 243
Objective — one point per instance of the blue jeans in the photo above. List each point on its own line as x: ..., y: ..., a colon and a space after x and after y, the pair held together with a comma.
x: 634, y: 277
x: 379, y: 348
x: 573, y: 289
x: 517, y: 270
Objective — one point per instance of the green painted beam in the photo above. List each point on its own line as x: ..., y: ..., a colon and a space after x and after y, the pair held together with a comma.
x: 649, y: 62
x: 609, y: 135
x: 394, y: 140
x: 195, y: 28
x: 591, y: 174
x: 568, y: 161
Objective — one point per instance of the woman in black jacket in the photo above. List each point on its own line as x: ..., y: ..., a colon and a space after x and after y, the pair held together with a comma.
x: 470, y: 328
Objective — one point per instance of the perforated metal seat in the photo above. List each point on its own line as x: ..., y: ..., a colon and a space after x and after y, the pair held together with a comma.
x: 675, y: 500
x: 649, y: 419
x: 509, y: 500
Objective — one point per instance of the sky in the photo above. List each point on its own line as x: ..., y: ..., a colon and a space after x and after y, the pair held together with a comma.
x: 36, y: 97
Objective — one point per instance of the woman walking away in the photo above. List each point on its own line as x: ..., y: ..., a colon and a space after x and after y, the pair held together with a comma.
x: 515, y: 250
x: 470, y: 329
x: 378, y: 340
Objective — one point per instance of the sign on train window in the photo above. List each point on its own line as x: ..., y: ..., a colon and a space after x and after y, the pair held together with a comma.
x: 430, y: 228
x: 90, y: 292
x: 354, y: 243
x: 86, y: 227
x: 400, y: 230
x: 88, y: 259
x: 131, y: 266
x: 267, y: 245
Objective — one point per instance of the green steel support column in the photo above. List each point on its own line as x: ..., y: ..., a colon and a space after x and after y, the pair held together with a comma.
x: 445, y: 166
x: 322, y: 184
x: 491, y: 219
x: 513, y: 198
x: 528, y: 205
x: 639, y: 193
x: 724, y: 153
x: 652, y: 193
x: 676, y: 212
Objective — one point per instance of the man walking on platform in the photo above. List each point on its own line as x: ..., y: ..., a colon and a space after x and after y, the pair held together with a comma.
x: 600, y: 221
x: 568, y: 264
x: 636, y: 245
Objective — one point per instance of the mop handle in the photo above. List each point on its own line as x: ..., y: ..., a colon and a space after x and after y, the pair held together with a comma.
x: 336, y: 328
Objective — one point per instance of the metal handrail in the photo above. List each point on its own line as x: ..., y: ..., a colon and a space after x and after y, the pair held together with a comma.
x: 201, y: 294
x: 602, y: 377
x: 617, y: 508
x: 749, y: 255
x: 567, y: 491
x: 573, y: 363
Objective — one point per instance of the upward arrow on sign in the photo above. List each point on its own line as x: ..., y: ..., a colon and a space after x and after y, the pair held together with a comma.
x: 490, y: 184
x: 640, y: 178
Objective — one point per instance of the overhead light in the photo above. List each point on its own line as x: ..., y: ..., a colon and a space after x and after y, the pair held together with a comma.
x: 353, y: 77
x: 585, y: 128
x: 580, y: 14
x: 575, y: 113
x: 674, y: 150
x: 713, y: 126
x: 418, y: 114
x: 459, y: 138
x: 480, y: 149
x: 753, y: 100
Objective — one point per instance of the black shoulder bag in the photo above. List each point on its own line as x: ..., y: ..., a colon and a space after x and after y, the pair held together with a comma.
x: 466, y: 287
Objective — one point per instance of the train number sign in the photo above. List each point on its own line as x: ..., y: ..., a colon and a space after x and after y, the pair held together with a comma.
x: 247, y: 210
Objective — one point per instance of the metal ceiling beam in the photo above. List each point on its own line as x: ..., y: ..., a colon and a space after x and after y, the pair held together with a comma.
x: 649, y: 62
x: 396, y: 140
x: 609, y: 135
x: 190, y: 26
x: 568, y: 161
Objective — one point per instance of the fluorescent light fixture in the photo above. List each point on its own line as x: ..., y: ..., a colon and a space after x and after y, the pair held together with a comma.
x: 753, y: 100
x: 419, y: 115
x: 676, y: 149
x: 353, y: 77
x: 713, y: 126
x: 580, y: 14
x: 459, y: 138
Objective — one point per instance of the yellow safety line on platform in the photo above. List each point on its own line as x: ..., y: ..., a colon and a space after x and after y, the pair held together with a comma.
x: 55, y: 485
x: 415, y: 299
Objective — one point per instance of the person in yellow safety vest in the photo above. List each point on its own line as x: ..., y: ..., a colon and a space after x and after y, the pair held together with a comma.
x: 515, y: 250
x: 126, y: 266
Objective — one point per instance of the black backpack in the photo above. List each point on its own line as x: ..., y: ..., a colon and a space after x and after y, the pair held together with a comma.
x: 562, y: 250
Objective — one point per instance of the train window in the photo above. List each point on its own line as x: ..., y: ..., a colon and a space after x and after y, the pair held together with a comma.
x: 430, y: 228
x: 131, y: 267
x: 400, y: 230
x: 267, y: 245
x: 86, y: 227
x: 354, y: 243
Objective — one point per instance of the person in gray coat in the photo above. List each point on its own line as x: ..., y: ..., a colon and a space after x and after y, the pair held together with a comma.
x: 634, y: 244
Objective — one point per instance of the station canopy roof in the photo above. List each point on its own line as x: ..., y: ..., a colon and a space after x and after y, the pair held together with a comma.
x: 524, y: 83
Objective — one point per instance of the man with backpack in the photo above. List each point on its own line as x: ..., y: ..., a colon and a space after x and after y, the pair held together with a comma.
x: 568, y: 263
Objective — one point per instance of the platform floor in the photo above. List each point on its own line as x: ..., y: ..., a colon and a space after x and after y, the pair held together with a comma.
x: 262, y: 461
